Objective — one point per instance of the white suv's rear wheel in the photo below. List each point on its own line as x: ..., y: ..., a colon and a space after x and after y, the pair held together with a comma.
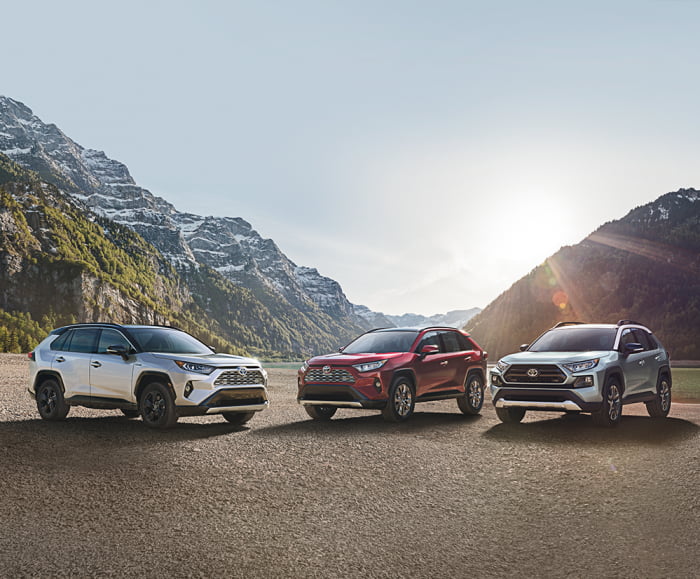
x: 50, y: 402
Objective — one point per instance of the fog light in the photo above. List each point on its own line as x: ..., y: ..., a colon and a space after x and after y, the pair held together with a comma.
x: 378, y: 384
x: 583, y: 381
x: 188, y: 389
x: 496, y: 380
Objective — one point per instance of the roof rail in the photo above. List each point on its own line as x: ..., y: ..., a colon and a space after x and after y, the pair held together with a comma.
x: 625, y: 322
x: 561, y: 324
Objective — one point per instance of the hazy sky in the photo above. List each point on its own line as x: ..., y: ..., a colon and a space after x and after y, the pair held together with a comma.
x: 425, y: 154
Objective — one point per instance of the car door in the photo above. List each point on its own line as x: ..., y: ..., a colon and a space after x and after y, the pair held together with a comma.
x: 456, y: 366
x: 111, y: 375
x: 72, y: 362
x: 431, y: 369
x: 637, y: 366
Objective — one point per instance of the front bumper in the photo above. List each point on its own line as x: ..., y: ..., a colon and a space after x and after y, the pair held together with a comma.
x: 220, y: 391
x: 560, y: 397
x: 339, y: 396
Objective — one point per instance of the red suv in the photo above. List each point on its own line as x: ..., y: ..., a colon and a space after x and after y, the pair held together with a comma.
x: 392, y: 369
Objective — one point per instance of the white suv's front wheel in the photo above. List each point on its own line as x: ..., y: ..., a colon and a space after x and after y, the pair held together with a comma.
x: 157, y: 406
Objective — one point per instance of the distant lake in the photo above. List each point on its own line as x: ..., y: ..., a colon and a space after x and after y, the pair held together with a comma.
x: 686, y: 385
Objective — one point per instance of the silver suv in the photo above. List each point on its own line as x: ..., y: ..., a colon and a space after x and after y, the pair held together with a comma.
x: 576, y: 367
x: 157, y: 372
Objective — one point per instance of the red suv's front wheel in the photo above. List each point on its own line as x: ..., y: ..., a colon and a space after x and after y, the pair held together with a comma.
x: 402, y: 400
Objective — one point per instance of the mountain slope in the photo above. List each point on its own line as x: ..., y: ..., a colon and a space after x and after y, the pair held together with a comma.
x: 288, y: 308
x: 61, y: 263
x: 229, y: 245
x: 645, y: 267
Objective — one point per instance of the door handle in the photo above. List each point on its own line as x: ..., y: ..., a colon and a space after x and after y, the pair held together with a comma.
x: 60, y: 359
x: 95, y: 364
x: 444, y: 363
x: 642, y: 362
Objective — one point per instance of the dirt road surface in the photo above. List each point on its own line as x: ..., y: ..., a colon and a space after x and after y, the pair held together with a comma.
x: 442, y: 495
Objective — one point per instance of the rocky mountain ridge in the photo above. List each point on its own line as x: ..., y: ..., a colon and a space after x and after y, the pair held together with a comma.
x: 229, y: 245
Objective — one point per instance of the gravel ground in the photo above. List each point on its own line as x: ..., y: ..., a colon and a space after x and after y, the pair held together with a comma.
x: 442, y: 495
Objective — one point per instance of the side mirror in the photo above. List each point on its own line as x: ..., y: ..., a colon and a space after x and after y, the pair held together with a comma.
x: 524, y: 347
x: 341, y: 348
x: 118, y: 350
x: 632, y: 348
x: 429, y: 349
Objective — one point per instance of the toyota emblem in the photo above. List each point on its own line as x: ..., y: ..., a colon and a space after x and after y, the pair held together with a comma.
x: 533, y: 373
x: 242, y: 370
x: 326, y: 369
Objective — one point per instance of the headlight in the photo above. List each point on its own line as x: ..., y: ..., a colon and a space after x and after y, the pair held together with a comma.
x: 194, y: 367
x: 304, y: 367
x: 501, y: 366
x: 575, y: 367
x: 369, y: 366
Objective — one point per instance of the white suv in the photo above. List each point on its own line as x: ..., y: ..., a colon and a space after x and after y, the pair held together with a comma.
x: 158, y: 372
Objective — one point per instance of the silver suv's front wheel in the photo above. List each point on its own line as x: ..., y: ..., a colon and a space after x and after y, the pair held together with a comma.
x: 611, y: 410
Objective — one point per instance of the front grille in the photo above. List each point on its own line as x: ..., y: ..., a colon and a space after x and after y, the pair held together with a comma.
x: 234, y: 378
x: 534, y: 374
x: 335, y: 376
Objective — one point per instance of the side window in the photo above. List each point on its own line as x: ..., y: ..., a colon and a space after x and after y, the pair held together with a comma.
x: 449, y: 339
x: 653, y: 341
x: 627, y: 337
x: 641, y: 337
x: 430, y: 339
x: 111, y: 338
x: 84, y: 340
x: 464, y: 342
x: 62, y: 343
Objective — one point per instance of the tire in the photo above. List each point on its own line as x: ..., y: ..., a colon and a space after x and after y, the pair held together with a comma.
x: 610, y: 412
x: 50, y: 401
x: 321, y: 412
x: 661, y: 405
x: 238, y: 418
x: 157, y: 407
x: 402, y: 400
x: 473, y: 398
x: 510, y: 415
x: 130, y: 413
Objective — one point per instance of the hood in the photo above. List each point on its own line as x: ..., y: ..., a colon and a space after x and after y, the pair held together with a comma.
x: 210, y: 359
x: 341, y: 359
x: 553, y: 357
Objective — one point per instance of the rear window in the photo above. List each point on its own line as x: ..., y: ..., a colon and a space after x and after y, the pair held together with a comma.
x: 575, y: 340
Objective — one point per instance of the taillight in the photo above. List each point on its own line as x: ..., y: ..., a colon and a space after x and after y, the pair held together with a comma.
x: 31, y: 356
x: 484, y: 355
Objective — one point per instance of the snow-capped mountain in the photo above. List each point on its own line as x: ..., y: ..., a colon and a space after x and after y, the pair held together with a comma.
x: 452, y: 319
x: 229, y: 245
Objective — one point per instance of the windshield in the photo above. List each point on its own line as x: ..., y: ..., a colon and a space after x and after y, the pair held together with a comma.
x: 575, y: 340
x: 381, y: 343
x: 167, y: 340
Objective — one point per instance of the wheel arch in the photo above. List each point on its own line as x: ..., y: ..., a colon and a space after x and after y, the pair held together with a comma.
x: 665, y: 370
x: 149, y: 377
x: 616, y: 372
x: 44, y: 375
x: 404, y: 373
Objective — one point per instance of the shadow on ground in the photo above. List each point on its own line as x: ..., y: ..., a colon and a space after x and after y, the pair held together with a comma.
x: 371, y: 424
x: 116, y: 430
x: 580, y: 429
